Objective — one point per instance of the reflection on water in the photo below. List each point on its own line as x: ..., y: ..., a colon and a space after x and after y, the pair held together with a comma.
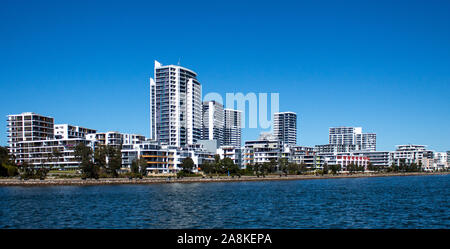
x: 384, y: 202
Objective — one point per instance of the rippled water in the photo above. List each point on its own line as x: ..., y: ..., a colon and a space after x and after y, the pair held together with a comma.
x: 382, y: 202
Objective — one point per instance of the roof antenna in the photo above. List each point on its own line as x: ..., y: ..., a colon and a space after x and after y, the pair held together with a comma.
x: 179, y: 61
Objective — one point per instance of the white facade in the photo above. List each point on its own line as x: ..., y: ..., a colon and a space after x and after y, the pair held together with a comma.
x: 66, y: 131
x: 233, y: 128
x: 285, y: 127
x: 28, y: 126
x: 176, y: 106
x: 213, y: 121
x: 163, y: 159
x: 409, y: 154
x: 353, y: 136
x: 114, y: 138
x: 232, y: 152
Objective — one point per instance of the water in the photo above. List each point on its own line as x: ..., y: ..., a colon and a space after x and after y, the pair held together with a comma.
x: 384, y: 202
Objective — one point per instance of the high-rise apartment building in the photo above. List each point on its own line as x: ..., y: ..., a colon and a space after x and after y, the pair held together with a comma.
x: 176, y: 106
x: 213, y: 121
x: 353, y: 136
x: 232, y: 130
x: 285, y: 127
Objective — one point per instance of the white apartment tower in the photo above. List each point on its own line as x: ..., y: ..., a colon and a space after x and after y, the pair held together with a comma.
x: 232, y: 130
x: 176, y: 106
x: 285, y: 127
x: 28, y: 126
x: 353, y: 136
x: 213, y: 121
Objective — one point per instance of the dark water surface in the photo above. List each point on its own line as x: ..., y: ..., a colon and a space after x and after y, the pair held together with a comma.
x: 380, y: 202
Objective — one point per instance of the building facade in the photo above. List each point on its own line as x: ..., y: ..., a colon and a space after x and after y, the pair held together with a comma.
x: 232, y: 152
x: 176, y: 106
x: 285, y: 127
x: 213, y: 123
x: 66, y: 131
x: 353, y: 136
x: 232, y: 128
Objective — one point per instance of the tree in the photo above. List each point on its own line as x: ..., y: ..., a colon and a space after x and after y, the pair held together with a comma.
x: 351, y: 168
x: 258, y: 169
x: 7, y: 164
x: 371, y: 167
x: 114, y: 159
x: 134, y: 167
x: 272, y: 166
x: 187, y: 165
x: 26, y: 170
x: 325, y: 169
x: 83, y: 154
x: 207, y: 167
x: 265, y: 168
x: 57, y: 154
x: 393, y: 168
x: 302, y: 168
x: 284, y: 165
x: 142, y: 163
x: 293, y: 168
x: 229, y: 166
x: 335, y: 168
x: 100, y: 158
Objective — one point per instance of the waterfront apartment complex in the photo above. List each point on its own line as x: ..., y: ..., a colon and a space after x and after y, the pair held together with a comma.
x: 66, y: 131
x: 182, y: 126
x: 28, y: 126
x: 285, y: 127
x: 353, y: 136
x: 176, y: 105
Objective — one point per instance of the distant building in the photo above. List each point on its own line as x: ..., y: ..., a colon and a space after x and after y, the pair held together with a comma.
x: 335, y: 148
x: 66, y: 131
x: 440, y: 161
x: 379, y: 159
x: 410, y: 153
x: 28, y: 126
x: 115, y: 138
x: 448, y: 158
x: 163, y: 159
x: 262, y: 151
x: 232, y: 152
x: 285, y: 127
x: 34, y: 139
x: 345, y: 161
x: 213, y: 121
x: 353, y: 136
x: 267, y: 136
x: 233, y: 129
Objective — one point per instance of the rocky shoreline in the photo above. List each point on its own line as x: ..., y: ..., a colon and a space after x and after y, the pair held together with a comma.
x: 155, y: 180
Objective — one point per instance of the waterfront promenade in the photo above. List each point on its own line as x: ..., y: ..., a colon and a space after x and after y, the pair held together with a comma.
x: 159, y: 180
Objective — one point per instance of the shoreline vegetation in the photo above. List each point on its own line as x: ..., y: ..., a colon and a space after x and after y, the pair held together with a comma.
x: 201, y: 179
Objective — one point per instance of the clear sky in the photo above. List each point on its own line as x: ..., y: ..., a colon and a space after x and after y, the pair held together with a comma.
x: 382, y: 65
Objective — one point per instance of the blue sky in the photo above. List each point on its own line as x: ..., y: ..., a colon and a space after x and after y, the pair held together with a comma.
x: 382, y: 65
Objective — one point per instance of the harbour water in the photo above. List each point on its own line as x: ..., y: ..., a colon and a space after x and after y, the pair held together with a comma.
x: 379, y: 202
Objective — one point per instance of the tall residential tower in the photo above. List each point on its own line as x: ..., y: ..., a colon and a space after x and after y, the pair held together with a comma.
x: 285, y: 127
x: 213, y: 121
x: 232, y: 130
x: 176, y: 106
